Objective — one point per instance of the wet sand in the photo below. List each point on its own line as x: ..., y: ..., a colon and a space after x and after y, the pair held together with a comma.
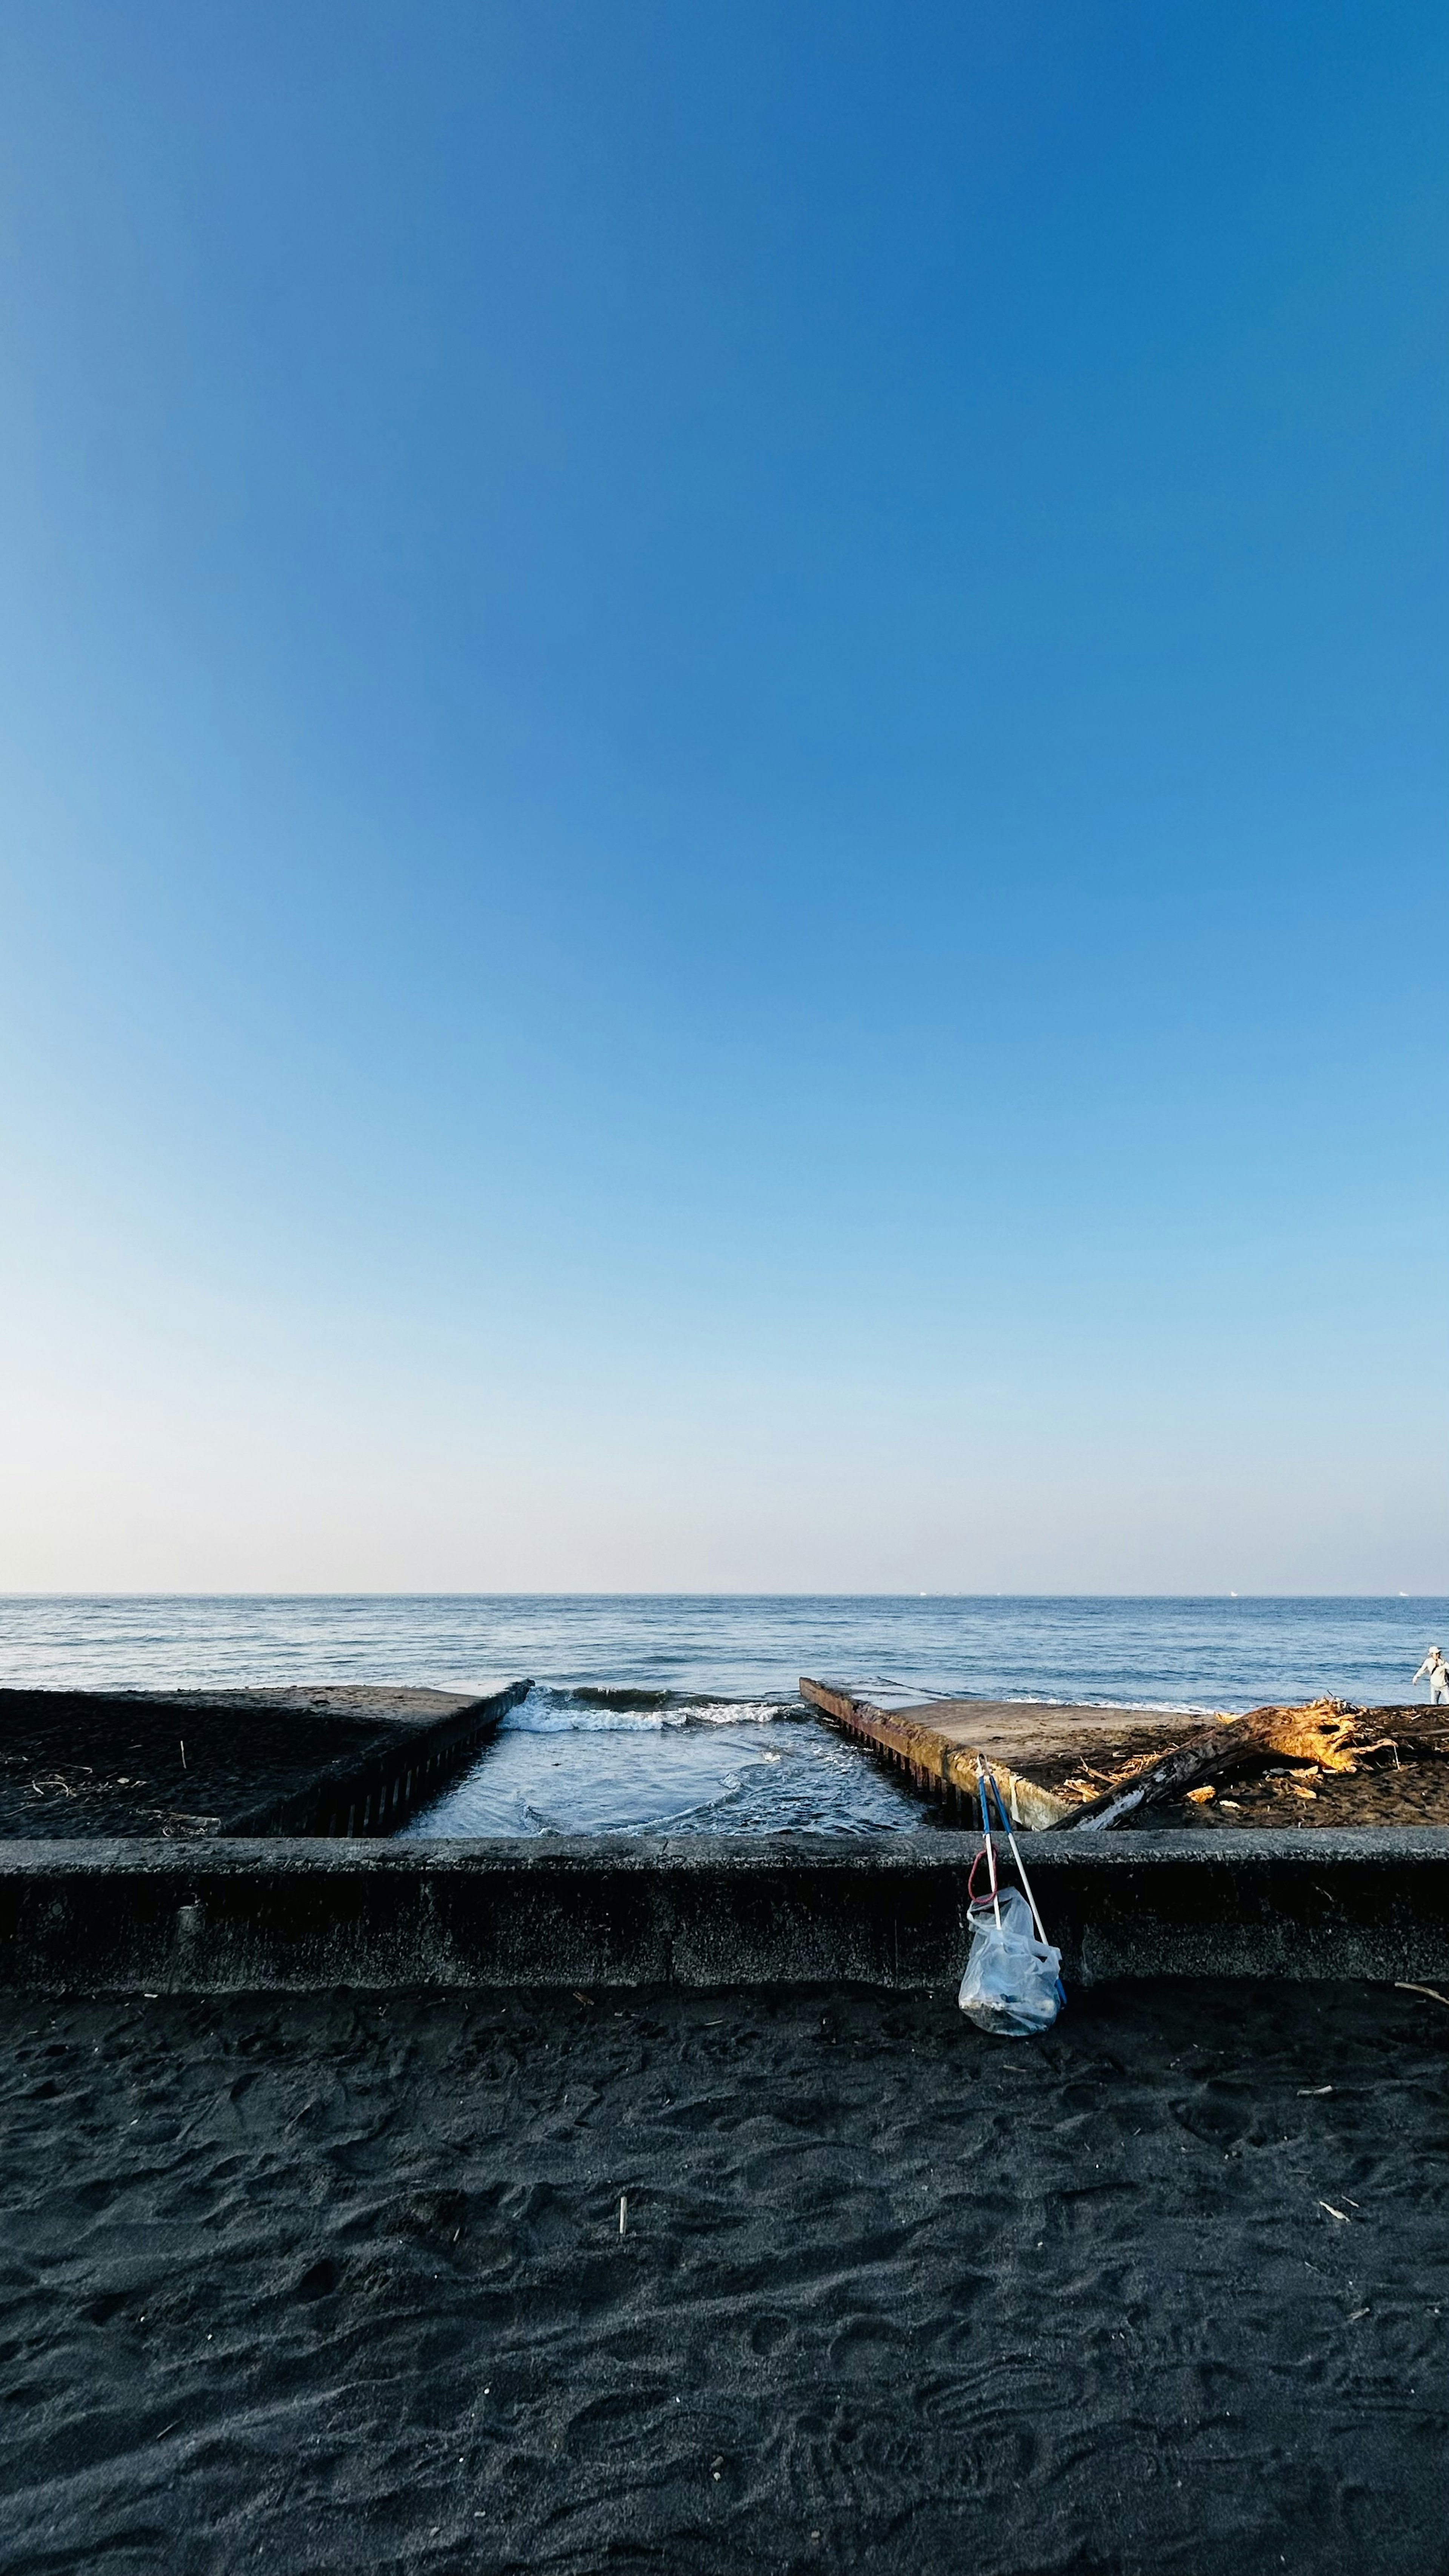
x: 329, y: 2283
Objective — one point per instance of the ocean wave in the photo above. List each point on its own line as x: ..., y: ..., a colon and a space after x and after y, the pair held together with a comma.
x: 603, y: 1709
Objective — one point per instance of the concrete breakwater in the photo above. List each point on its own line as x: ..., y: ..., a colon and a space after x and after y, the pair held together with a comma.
x: 1061, y: 1764
x: 331, y: 1759
x: 310, y: 1914
x: 374, y: 1792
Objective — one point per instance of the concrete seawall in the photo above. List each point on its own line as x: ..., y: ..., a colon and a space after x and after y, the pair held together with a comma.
x: 233, y: 1916
x: 375, y: 1792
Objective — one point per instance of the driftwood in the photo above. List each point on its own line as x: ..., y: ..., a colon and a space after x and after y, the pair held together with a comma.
x: 1323, y: 1733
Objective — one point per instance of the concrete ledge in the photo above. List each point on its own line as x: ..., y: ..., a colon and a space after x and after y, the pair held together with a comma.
x: 376, y: 1791
x: 236, y: 1917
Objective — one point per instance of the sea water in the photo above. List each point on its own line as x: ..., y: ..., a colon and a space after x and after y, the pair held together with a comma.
x: 653, y: 1712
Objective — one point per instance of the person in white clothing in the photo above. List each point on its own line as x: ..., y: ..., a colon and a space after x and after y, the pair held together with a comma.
x: 1435, y: 1672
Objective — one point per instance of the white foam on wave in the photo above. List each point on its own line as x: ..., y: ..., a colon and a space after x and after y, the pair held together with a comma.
x: 549, y: 1711
x: 734, y: 1712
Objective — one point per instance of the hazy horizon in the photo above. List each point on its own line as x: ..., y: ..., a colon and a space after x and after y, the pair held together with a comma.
x: 528, y: 1592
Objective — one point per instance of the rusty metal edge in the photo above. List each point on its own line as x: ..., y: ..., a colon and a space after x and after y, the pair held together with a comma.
x: 937, y: 1767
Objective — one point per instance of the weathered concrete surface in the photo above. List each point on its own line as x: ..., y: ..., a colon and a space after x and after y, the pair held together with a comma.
x: 383, y: 1702
x: 376, y: 1791
x: 187, y: 1765
x: 243, y: 1916
x: 1019, y: 1730
x: 1030, y: 1745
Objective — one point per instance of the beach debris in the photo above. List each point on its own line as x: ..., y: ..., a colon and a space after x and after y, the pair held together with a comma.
x: 1403, y: 1986
x: 623, y: 2211
x: 80, y: 1781
x: 1320, y: 1734
x: 1311, y: 2092
x: 1200, y: 1797
x: 1341, y: 2214
x: 1012, y: 1986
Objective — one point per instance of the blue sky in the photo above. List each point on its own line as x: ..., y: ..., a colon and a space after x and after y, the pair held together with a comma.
x: 722, y: 793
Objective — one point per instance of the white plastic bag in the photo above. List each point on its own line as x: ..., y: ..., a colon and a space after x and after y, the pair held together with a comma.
x: 1012, y: 1984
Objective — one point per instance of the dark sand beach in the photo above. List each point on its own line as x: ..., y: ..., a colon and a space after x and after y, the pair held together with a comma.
x: 1382, y: 1792
x: 333, y: 2283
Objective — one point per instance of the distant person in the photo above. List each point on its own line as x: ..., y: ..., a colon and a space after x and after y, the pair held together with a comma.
x: 1435, y: 1672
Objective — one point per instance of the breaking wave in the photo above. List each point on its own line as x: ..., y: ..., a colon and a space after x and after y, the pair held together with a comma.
x: 597, y: 1708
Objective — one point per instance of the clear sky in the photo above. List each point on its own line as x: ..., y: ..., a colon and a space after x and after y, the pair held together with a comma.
x: 723, y: 774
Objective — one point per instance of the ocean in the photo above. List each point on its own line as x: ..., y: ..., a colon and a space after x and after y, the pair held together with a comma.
x: 654, y: 1712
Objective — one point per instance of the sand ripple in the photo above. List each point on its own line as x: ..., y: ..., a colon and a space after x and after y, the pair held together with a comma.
x: 332, y: 2283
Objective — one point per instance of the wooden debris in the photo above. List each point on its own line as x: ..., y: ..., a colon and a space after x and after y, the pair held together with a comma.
x: 1321, y: 1734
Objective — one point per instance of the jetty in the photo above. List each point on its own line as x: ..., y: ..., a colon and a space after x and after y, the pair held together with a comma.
x: 1033, y: 1747
x: 333, y: 1760
x: 1064, y: 1765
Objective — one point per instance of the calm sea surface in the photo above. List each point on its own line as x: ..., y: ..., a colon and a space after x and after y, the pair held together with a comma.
x: 651, y: 1711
